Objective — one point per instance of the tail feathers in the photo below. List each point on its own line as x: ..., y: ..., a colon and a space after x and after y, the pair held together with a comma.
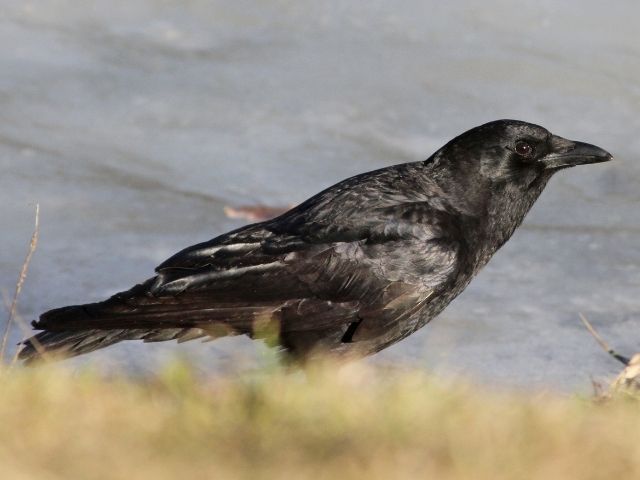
x: 138, y: 315
x: 47, y: 345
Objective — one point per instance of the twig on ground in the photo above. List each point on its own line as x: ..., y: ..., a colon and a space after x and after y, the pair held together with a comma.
x: 605, y: 346
x: 21, y: 278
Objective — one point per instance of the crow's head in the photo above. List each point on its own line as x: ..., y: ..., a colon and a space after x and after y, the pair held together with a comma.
x: 514, y: 150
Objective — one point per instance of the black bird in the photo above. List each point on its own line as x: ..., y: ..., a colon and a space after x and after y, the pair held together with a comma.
x: 350, y: 271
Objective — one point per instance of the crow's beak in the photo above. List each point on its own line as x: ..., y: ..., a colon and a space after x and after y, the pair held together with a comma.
x: 567, y: 153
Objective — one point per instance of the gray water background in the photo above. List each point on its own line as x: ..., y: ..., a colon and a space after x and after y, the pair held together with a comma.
x: 134, y: 123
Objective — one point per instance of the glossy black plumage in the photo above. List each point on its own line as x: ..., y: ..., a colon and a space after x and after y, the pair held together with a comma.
x: 350, y: 271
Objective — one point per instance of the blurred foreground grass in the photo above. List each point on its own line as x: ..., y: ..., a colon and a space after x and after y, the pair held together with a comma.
x: 328, y: 423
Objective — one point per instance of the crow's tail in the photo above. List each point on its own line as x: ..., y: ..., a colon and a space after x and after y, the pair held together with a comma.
x: 52, y: 345
x: 49, y: 345
x: 131, y: 315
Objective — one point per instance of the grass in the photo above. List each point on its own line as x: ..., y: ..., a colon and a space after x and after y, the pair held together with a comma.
x: 327, y: 423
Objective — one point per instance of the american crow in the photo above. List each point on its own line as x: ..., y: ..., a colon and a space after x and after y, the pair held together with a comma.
x: 352, y: 270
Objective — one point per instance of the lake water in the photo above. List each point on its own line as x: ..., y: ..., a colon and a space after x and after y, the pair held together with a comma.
x: 134, y: 123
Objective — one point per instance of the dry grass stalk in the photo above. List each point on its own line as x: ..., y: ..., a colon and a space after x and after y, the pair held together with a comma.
x: 21, y: 278
x: 26, y: 330
x: 605, y: 346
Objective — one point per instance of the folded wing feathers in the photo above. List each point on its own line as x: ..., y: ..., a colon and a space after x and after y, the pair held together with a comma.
x: 207, y: 277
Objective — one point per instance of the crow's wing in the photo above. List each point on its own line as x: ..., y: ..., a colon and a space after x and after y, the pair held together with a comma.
x: 318, y: 278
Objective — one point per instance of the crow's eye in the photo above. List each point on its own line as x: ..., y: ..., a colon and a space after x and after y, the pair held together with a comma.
x: 525, y: 149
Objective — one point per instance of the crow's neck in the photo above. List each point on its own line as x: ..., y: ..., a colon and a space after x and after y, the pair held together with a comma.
x: 505, y: 210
